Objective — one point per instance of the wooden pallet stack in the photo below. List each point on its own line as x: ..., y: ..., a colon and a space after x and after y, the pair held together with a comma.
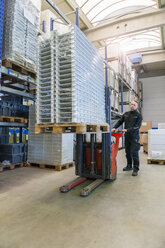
x: 71, y: 128
x: 13, y: 119
x: 4, y: 167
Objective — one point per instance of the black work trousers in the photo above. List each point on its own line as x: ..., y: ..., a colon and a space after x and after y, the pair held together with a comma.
x: 132, y: 148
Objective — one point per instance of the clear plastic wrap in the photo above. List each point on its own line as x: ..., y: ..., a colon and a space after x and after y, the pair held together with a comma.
x: 21, y: 23
x: 72, y: 71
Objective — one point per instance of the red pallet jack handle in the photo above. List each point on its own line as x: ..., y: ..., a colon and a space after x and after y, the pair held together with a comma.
x: 117, y: 135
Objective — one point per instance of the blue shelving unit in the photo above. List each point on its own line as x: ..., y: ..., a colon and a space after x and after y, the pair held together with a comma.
x: 1, y: 25
x: 1, y: 32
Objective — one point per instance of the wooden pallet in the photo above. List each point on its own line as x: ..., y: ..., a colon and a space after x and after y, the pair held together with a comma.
x: 18, y: 68
x: 155, y: 161
x: 10, y: 166
x: 71, y: 128
x: 55, y: 167
x: 13, y: 119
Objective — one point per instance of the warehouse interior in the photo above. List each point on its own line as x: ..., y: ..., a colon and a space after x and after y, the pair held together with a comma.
x: 69, y: 73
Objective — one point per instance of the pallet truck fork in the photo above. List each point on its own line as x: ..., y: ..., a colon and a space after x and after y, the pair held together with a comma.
x: 95, y: 161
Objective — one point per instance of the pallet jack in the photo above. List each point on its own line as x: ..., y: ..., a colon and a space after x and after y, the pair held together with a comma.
x: 95, y: 160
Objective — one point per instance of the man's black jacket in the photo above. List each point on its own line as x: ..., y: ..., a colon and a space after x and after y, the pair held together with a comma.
x: 132, y: 120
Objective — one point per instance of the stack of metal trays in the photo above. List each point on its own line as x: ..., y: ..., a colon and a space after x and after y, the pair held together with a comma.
x: 66, y: 74
x: 21, y: 24
x: 81, y: 94
x: 55, y: 77
x: 72, y: 79
x: 44, y: 89
x: 47, y: 87
x: 14, y: 31
x: 89, y: 80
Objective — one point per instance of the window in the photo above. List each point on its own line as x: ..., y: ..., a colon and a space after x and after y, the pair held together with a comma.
x: 98, y: 10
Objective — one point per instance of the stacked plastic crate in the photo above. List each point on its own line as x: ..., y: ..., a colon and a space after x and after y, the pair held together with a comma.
x: 12, y: 153
x: 4, y: 135
x: 21, y: 24
x: 77, y: 92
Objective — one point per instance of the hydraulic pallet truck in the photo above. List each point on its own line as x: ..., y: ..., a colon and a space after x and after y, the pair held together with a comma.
x: 95, y: 160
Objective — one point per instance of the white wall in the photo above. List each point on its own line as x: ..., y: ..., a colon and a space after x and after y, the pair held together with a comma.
x: 154, y: 100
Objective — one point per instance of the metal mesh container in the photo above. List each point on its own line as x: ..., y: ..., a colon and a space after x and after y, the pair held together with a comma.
x: 75, y: 82
x: 21, y: 22
x: 47, y: 86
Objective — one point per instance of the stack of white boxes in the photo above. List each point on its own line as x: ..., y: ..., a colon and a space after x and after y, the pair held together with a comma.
x: 111, y: 79
x: 128, y: 96
x: 48, y: 148
x: 126, y: 108
x: 161, y: 125
x: 123, y: 67
x: 113, y: 83
x: 117, y: 67
x: 156, y: 144
x: 117, y: 84
x: 116, y: 106
x: 72, y: 80
x: 112, y: 99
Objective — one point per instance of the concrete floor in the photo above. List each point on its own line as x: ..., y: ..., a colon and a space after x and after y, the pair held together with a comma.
x: 128, y: 213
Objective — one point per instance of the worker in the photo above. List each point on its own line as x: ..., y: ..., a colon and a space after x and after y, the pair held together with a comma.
x: 132, y: 120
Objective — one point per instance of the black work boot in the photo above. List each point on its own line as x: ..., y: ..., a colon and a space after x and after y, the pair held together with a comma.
x: 127, y: 168
x: 134, y: 173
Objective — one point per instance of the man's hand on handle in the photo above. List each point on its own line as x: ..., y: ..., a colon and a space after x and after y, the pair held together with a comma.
x: 124, y: 130
x: 114, y: 129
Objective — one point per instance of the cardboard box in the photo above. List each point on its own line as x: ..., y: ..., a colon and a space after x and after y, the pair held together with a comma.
x: 140, y: 139
x: 145, y: 138
x: 146, y: 125
x: 145, y: 148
